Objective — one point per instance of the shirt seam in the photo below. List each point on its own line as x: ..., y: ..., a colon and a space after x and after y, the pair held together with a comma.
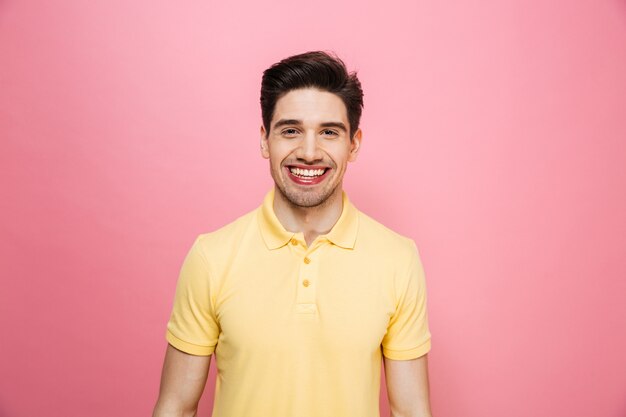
x: 408, y: 349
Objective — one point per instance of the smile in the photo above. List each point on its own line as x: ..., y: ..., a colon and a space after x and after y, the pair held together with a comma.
x: 307, y: 176
x: 307, y: 173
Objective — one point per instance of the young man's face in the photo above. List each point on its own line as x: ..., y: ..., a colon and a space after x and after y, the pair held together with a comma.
x: 309, y: 146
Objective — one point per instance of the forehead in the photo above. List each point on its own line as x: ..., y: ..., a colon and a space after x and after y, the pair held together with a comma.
x: 310, y: 106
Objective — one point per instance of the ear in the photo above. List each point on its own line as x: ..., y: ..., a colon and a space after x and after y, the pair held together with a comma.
x: 265, y: 152
x: 355, y: 145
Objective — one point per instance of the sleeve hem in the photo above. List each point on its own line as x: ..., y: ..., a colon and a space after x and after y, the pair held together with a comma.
x: 188, y: 347
x: 407, y: 354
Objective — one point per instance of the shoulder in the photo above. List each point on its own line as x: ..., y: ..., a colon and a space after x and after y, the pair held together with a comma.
x: 398, y: 254
x: 223, y: 242
x: 373, y: 235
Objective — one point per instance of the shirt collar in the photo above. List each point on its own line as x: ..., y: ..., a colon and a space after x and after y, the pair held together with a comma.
x: 343, y: 233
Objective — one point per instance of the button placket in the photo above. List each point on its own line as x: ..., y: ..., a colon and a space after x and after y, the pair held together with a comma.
x: 307, y: 280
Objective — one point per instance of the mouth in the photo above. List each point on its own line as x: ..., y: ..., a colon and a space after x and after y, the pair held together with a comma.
x: 307, y: 175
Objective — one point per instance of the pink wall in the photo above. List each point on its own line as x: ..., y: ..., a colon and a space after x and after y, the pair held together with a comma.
x: 495, y: 136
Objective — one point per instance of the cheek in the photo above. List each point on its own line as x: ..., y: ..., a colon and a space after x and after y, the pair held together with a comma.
x: 275, y: 162
x: 341, y: 156
x: 278, y: 152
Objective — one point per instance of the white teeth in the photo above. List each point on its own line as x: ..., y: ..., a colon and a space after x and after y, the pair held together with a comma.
x: 306, y: 172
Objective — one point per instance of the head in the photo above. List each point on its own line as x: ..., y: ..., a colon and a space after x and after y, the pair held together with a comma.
x: 311, y: 107
x: 318, y: 70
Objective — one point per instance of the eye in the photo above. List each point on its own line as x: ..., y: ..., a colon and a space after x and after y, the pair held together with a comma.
x: 289, y: 132
x: 330, y: 133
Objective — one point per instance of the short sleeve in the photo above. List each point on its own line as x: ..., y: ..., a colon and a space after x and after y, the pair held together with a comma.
x: 193, y: 327
x: 408, y: 335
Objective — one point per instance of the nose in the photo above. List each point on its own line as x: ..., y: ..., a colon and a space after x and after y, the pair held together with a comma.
x: 309, y: 149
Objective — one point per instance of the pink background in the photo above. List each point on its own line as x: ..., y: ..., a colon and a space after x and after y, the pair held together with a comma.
x: 494, y: 135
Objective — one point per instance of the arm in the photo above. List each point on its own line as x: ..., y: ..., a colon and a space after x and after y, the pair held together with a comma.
x: 407, y: 387
x: 182, y: 383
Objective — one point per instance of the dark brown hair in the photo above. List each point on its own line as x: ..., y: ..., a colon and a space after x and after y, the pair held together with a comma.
x: 315, y: 69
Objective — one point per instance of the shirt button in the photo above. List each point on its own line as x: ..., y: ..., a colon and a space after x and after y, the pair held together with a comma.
x: 307, y: 261
x: 306, y: 283
x: 294, y: 241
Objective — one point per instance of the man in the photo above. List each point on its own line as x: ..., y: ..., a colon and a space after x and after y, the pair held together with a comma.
x: 302, y: 297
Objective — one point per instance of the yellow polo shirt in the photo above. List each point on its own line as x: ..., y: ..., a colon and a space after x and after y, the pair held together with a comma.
x: 299, y: 331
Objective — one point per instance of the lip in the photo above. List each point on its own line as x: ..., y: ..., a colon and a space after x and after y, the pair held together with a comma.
x: 312, y: 181
x: 307, y: 166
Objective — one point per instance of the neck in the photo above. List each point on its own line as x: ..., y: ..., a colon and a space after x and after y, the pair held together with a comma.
x: 311, y: 221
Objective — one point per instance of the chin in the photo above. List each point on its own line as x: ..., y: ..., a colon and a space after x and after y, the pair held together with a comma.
x: 306, y: 199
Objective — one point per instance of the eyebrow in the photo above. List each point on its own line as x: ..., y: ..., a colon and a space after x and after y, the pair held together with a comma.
x: 285, y: 122
x: 338, y: 125
x: 295, y: 122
